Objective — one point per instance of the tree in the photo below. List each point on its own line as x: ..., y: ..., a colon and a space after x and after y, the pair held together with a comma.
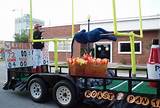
x: 21, y: 38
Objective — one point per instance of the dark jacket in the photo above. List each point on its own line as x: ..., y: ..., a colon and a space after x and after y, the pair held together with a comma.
x: 37, y: 35
x: 93, y: 36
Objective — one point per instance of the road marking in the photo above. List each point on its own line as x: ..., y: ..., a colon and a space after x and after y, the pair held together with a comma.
x: 118, y: 85
x: 137, y: 85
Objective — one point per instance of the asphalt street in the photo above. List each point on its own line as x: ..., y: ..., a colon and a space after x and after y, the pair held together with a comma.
x: 17, y: 99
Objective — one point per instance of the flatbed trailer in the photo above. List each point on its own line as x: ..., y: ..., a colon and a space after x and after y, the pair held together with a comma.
x: 67, y: 91
x: 112, y: 91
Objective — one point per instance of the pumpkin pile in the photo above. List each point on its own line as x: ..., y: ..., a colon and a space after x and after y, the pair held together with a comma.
x: 87, y: 66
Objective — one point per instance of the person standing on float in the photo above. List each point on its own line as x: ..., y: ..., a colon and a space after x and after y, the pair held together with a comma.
x: 37, y: 48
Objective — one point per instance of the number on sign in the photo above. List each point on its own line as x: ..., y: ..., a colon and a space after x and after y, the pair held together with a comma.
x: 23, y: 63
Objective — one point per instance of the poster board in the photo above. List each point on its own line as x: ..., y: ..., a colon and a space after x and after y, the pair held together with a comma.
x: 21, y: 54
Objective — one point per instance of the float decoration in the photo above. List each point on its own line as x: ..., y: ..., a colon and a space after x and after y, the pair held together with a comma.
x: 87, y: 66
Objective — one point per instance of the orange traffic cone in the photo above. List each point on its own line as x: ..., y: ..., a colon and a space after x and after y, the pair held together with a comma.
x: 153, y: 65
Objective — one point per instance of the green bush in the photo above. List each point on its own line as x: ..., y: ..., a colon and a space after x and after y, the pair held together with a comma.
x: 21, y: 38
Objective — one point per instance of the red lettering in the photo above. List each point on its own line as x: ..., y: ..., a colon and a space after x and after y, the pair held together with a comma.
x: 11, y: 60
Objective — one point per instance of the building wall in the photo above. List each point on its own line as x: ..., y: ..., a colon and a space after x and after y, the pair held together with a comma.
x: 116, y: 57
x: 62, y: 32
x: 140, y: 58
x: 151, y: 29
x: 62, y: 56
x: 126, y: 24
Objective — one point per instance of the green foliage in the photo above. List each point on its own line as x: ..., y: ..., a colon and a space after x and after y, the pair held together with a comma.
x: 21, y: 38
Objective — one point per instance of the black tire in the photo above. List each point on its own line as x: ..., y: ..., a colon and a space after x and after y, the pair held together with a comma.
x: 67, y: 94
x: 37, y: 89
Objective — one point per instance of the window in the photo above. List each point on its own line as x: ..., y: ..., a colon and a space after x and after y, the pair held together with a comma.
x: 63, y: 46
x: 124, y: 47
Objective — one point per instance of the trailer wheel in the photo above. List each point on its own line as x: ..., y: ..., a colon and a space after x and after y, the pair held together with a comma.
x: 64, y: 94
x: 38, y: 90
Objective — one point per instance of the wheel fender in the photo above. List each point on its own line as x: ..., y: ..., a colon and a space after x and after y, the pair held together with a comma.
x: 31, y: 77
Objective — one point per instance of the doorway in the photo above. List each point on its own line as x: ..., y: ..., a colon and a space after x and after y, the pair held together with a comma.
x: 103, y: 50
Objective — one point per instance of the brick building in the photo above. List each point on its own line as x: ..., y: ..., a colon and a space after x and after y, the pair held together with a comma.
x: 61, y: 32
x: 118, y: 51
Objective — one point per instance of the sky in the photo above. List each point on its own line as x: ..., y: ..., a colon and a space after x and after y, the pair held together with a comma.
x: 58, y: 12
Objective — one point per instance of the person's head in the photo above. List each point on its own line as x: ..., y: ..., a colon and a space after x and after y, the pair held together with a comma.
x: 37, y: 27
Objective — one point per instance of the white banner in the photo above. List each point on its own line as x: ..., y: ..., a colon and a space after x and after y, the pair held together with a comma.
x: 23, y: 57
x: 45, y: 55
x: 153, y: 71
x: 18, y: 58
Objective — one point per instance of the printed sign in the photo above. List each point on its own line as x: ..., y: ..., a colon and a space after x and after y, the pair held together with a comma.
x: 99, y: 95
x: 139, y: 100
x: 153, y: 71
x: 132, y: 99
x: 45, y: 55
x: 16, y: 56
x: 155, y: 103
